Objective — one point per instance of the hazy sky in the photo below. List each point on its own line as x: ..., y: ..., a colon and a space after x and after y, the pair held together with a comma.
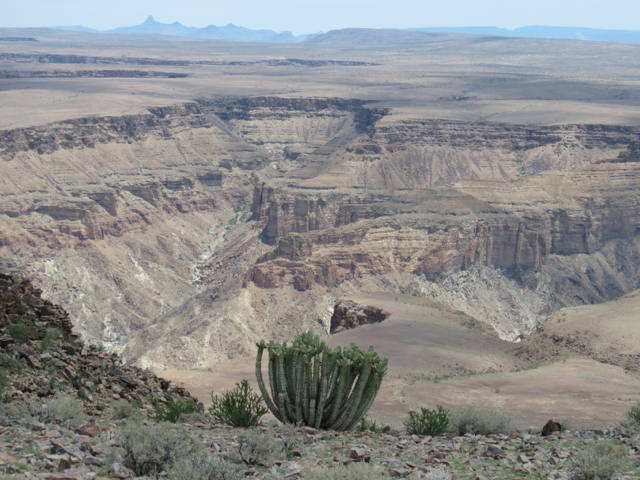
x: 309, y: 16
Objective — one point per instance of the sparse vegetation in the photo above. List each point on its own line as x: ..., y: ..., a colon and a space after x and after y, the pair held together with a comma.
x: 439, y: 474
x: 259, y: 448
x: 427, y: 422
x: 345, y: 472
x: 632, y: 422
x: 476, y: 420
x: 51, y: 337
x: 60, y: 408
x: 20, y: 332
x: 204, y: 467
x: 240, y: 407
x: 177, y: 408
x: 150, y: 449
x: 599, y: 462
x: 124, y: 409
x: 366, y: 424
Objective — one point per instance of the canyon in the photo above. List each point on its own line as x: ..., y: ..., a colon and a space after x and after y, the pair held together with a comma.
x: 181, y: 215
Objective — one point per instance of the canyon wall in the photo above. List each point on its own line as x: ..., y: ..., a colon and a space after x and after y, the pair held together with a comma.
x: 181, y: 236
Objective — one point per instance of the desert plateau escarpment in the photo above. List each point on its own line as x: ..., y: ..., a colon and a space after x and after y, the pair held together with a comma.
x: 183, y: 201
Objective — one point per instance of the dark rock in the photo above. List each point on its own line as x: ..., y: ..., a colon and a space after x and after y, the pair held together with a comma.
x: 551, y: 427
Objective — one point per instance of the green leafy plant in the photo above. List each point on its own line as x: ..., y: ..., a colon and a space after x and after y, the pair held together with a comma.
x: 240, y: 407
x: 427, y: 422
x: 176, y: 407
x: 600, y: 461
x: 473, y: 419
x: 366, y: 424
x: 315, y: 386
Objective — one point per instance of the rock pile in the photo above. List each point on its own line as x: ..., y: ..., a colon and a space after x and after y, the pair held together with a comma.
x: 40, y: 355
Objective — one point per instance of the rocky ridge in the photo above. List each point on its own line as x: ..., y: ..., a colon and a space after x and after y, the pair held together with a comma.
x: 41, y: 356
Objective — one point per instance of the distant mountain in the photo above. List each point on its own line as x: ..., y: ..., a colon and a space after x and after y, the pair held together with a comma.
x: 370, y: 36
x: 229, y: 32
x: 569, y: 33
x: 365, y: 36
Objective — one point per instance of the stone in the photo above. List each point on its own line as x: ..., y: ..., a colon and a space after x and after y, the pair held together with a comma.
x: 120, y: 471
x: 356, y: 452
x: 90, y: 429
x: 550, y: 427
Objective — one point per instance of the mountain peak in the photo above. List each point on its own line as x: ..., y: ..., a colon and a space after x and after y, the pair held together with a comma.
x: 150, y: 20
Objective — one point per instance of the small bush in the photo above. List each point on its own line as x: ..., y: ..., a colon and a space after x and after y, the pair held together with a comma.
x: 351, y: 472
x: 20, y: 332
x: 4, y: 384
x: 51, y: 338
x: 204, y: 467
x: 599, y: 462
x: 632, y: 422
x: 10, y: 415
x: 240, y: 407
x: 475, y: 420
x: 60, y: 409
x: 259, y: 448
x: 10, y: 363
x: 150, y: 449
x: 124, y: 409
x: 371, y: 426
x: 439, y: 474
x: 177, y: 408
x: 427, y: 422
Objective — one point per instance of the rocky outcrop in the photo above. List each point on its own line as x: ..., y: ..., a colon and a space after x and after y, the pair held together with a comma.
x: 42, y: 356
x: 348, y: 315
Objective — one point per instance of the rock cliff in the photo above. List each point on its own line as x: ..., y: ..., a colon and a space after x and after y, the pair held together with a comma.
x: 147, y: 227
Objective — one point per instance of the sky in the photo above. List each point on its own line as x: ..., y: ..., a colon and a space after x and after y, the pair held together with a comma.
x: 310, y: 16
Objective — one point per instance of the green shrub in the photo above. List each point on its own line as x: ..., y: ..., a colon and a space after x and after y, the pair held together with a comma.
x: 365, y: 424
x: 11, y: 415
x: 632, y: 422
x: 51, y: 338
x: 599, y: 462
x: 475, y: 420
x: 150, y: 449
x: 427, y: 422
x: 204, y: 467
x: 176, y: 408
x: 259, y: 448
x: 10, y: 362
x: 240, y: 407
x: 61, y: 409
x: 4, y: 383
x: 20, y: 332
x: 124, y: 409
x: 319, y: 387
x: 358, y: 471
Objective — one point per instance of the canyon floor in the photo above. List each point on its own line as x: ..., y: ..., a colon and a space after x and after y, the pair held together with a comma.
x: 441, y: 357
